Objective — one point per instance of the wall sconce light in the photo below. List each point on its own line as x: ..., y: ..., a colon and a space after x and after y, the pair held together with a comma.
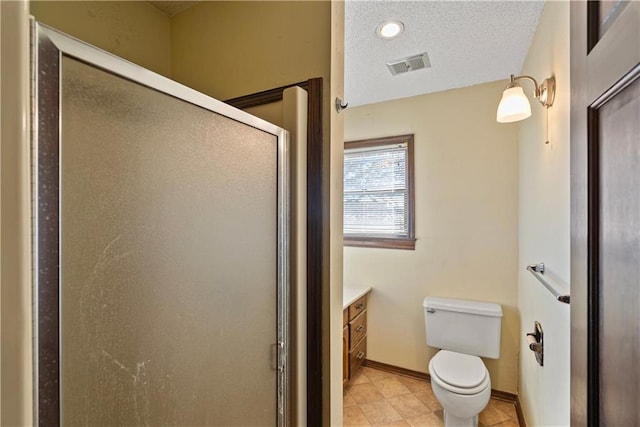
x: 514, y: 105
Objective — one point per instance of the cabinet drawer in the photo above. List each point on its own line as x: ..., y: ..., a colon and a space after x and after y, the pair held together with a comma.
x: 357, y: 307
x: 357, y: 329
x: 357, y: 356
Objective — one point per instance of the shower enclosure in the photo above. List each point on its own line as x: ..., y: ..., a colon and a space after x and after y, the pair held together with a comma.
x: 161, y: 248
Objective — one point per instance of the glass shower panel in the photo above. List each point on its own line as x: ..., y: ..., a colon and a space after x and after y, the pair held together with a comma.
x: 168, y: 259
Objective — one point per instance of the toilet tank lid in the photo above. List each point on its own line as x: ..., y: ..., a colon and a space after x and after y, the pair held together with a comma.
x: 463, y: 306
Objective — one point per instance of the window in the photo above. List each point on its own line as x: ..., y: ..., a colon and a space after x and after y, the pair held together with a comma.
x: 378, y: 193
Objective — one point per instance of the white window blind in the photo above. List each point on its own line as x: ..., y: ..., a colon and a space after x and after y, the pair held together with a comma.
x: 376, y: 195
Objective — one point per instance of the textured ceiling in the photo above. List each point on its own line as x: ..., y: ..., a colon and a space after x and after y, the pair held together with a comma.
x: 468, y: 43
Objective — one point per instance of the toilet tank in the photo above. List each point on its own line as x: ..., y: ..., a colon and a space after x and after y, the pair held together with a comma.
x: 464, y: 326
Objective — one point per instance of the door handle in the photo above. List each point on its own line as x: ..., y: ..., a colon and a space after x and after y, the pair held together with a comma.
x: 277, y: 364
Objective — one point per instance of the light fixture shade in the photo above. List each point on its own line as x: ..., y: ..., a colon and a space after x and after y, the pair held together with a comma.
x: 514, y: 105
x: 389, y: 29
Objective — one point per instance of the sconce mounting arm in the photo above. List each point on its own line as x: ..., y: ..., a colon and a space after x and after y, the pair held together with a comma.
x: 545, y: 92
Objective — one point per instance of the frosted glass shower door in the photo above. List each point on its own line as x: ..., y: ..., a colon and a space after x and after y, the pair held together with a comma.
x: 161, y: 251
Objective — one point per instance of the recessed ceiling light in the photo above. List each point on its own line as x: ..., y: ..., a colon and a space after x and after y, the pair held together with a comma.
x: 389, y: 29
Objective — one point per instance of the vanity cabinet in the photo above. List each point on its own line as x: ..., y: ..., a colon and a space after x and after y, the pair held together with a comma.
x: 354, y: 337
x: 345, y: 354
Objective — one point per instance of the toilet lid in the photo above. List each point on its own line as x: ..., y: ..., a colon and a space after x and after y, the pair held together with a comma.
x: 459, y: 370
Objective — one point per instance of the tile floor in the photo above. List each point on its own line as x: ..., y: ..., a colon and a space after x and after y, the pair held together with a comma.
x: 378, y: 398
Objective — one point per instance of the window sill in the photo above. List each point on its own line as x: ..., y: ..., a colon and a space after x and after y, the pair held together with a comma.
x: 380, y: 242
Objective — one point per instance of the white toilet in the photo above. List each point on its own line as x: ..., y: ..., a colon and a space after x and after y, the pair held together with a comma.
x: 463, y: 330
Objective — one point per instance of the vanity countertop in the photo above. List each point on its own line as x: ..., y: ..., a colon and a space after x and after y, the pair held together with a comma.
x: 351, y: 294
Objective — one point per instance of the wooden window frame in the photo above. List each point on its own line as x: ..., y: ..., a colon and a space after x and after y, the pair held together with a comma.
x: 408, y: 242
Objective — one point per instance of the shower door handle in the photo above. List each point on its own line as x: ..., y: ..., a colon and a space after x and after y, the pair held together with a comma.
x: 276, y: 350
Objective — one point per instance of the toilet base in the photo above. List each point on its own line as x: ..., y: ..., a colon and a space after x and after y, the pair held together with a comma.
x: 460, y: 410
x: 453, y: 421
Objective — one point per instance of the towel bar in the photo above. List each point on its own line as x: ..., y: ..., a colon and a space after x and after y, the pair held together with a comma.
x: 538, y: 270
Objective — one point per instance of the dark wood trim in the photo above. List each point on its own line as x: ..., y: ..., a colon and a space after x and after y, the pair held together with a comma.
x: 593, y: 24
x: 504, y: 396
x: 373, y: 142
x: 404, y: 242
x: 265, y: 97
x: 316, y: 233
x: 423, y: 376
x: 593, y: 245
x: 412, y: 188
x: 520, y: 413
x: 593, y: 264
x: 396, y: 370
x: 315, y: 254
x: 380, y: 242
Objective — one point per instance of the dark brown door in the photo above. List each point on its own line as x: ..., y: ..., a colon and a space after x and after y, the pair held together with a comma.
x: 605, y: 223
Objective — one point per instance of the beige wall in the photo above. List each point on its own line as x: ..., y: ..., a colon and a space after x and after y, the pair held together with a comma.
x: 229, y: 49
x: 133, y: 30
x: 273, y: 112
x: 335, y: 207
x: 545, y: 224
x: 466, y: 178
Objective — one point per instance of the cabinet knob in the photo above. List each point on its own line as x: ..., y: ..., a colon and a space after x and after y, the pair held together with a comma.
x: 360, y: 355
x: 359, y: 306
x: 360, y: 328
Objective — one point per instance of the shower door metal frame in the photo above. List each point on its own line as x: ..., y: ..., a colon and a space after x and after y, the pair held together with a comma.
x: 48, y: 48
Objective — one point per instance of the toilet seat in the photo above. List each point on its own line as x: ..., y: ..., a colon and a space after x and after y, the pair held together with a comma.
x: 459, y: 373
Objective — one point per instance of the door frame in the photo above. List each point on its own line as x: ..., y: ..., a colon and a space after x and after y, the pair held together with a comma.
x: 49, y: 47
x: 589, y: 91
x: 316, y: 230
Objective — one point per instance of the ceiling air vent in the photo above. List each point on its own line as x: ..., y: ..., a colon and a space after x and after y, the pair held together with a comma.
x: 411, y: 63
